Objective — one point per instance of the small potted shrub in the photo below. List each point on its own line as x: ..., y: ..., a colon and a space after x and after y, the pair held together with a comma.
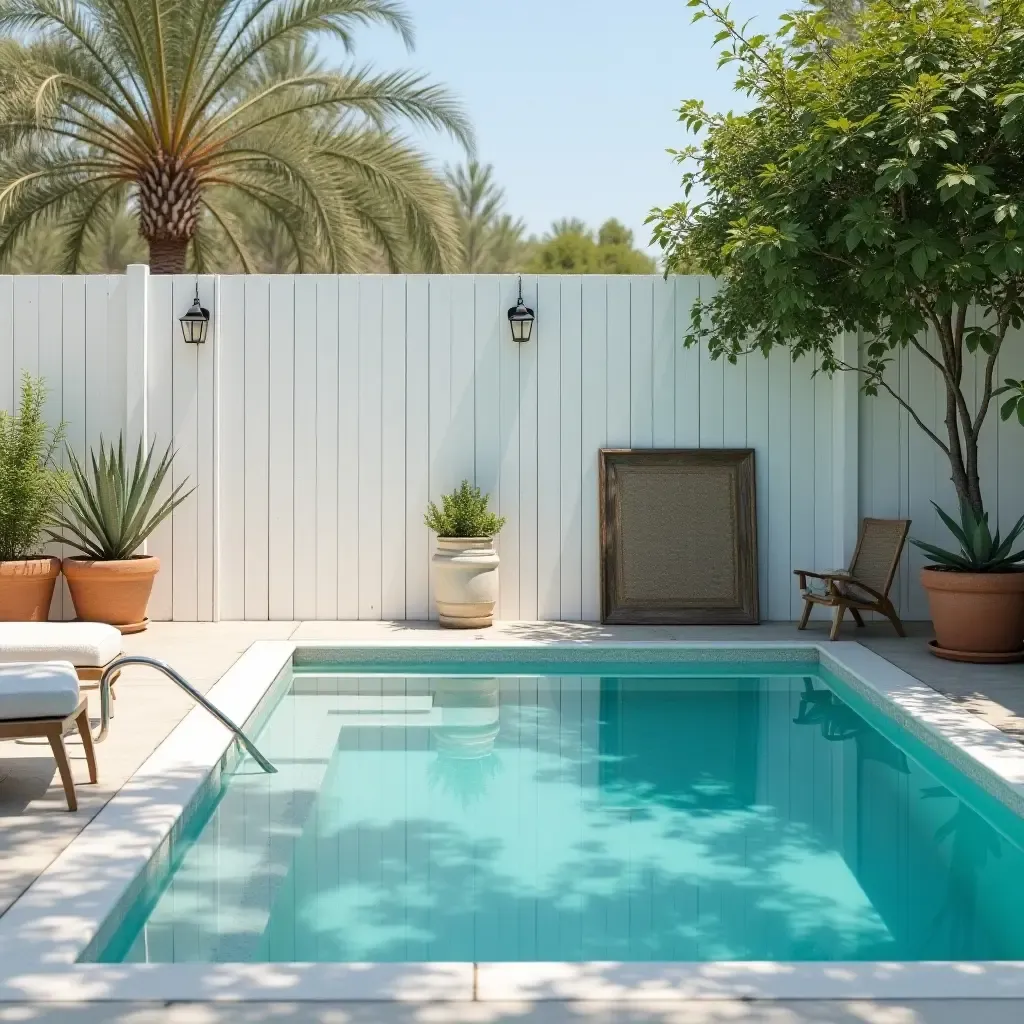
x: 465, y: 563
x: 30, y: 489
x: 976, y: 594
x: 108, y: 516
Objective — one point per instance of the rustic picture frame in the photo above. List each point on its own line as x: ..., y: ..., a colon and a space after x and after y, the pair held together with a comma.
x: 678, y: 536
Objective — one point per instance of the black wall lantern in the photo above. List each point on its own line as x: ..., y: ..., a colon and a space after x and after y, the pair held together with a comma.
x: 195, y: 323
x: 521, y: 318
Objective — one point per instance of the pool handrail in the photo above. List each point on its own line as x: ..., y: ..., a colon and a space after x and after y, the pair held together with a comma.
x: 161, y: 666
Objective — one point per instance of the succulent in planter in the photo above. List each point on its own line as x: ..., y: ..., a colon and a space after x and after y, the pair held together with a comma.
x: 111, y: 508
x: 30, y: 493
x: 465, y: 563
x: 976, y: 594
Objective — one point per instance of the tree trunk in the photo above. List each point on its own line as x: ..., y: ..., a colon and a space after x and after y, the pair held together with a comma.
x: 167, y: 256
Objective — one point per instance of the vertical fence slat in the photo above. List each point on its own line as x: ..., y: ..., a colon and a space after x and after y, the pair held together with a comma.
x: 117, y: 354
x: 529, y: 442
x: 758, y: 438
x: 549, y: 474
x: 51, y: 358
x: 393, y: 453
x: 281, y: 509
x: 159, y: 389
x: 780, y: 566
x: 463, y: 370
x: 97, y: 395
x: 571, y: 403
x: 509, y: 356
x: 687, y: 384
x: 371, y: 326
x: 595, y: 428
x: 712, y: 384
x: 803, y: 493
x: 304, y: 449
x: 618, y: 379
x: 231, y: 338
x: 185, y: 416
x: 337, y: 429
x: 417, y: 447
x: 488, y: 340
x: 826, y: 523
x: 641, y: 354
x: 664, y: 363
x: 26, y: 328
x: 257, y: 446
x: 205, y: 468
x: 7, y: 342
x: 442, y: 473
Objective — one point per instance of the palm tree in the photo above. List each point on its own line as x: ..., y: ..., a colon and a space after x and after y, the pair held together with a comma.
x: 170, y: 107
x: 490, y: 239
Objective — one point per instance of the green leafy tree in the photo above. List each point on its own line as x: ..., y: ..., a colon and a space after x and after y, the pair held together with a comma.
x: 492, y: 241
x: 874, y: 186
x: 571, y: 248
x: 168, y: 107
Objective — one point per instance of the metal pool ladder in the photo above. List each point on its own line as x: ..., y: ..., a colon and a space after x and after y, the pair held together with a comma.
x: 161, y: 666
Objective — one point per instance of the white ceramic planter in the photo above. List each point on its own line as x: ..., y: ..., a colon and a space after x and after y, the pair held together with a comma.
x: 465, y: 581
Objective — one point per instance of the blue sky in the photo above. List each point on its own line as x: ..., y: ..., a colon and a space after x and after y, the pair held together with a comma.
x: 572, y: 101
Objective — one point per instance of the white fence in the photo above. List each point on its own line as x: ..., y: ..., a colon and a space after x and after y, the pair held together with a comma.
x: 324, y: 411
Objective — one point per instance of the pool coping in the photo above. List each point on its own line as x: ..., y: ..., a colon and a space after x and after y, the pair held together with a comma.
x: 44, y: 932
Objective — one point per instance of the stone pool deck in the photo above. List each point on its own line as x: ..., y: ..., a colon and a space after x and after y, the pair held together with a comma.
x: 35, y: 824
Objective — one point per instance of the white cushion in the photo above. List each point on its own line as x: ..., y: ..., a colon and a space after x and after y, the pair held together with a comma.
x: 85, y: 644
x: 32, y: 689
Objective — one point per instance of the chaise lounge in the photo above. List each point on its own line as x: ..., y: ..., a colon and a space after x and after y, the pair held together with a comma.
x: 89, y: 646
x: 44, y: 699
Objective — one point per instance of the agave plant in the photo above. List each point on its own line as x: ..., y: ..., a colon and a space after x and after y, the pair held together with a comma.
x: 110, y: 505
x: 980, y: 549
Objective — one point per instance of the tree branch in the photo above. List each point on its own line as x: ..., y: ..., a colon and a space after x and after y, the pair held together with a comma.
x: 905, y: 404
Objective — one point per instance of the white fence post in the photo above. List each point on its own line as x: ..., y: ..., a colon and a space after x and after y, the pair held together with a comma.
x: 136, y: 422
x: 136, y: 411
x: 846, y: 450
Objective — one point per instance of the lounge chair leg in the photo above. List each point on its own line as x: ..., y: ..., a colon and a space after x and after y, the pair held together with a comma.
x: 806, y: 615
x: 857, y: 617
x: 890, y: 613
x: 85, y: 731
x: 837, y: 620
x: 60, y: 755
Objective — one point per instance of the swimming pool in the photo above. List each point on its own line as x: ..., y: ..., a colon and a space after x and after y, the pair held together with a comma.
x: 512, y: 812
x: 522, y: 821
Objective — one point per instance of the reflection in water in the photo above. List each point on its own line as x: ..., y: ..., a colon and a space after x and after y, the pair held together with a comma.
x: 464, y: 740
x: 755, y: 817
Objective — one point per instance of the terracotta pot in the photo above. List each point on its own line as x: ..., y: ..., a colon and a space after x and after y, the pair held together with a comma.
x: 26, y: 588
x: 976, y: 612
x: 115, y: 592
x: 465, y: 581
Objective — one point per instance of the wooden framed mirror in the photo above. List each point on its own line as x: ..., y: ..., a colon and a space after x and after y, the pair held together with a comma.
x: 678, y: 536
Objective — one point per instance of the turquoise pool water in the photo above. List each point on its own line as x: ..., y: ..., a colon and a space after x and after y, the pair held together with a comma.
x: 676, y: 813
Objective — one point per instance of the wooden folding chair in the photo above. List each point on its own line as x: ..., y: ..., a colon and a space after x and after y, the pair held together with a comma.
x: 864, y: 587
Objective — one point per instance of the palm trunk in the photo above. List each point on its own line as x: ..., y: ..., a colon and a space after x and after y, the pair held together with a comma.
x: 169, y: 198
x: 167, y: 256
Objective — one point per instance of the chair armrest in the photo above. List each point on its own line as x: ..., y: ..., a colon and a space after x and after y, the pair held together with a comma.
x: 835, y: 574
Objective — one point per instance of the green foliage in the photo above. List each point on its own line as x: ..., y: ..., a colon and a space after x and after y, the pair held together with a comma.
x: 110, y: 505
x: 194, y: 115
x: 873, y: 186
x: 492, y: 240
x: 980, y: 550
x: 463, y: 513
x: 30, y: 482
x: 571, y: 248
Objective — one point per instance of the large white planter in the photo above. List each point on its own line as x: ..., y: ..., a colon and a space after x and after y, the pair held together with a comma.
x: 465, y: 581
